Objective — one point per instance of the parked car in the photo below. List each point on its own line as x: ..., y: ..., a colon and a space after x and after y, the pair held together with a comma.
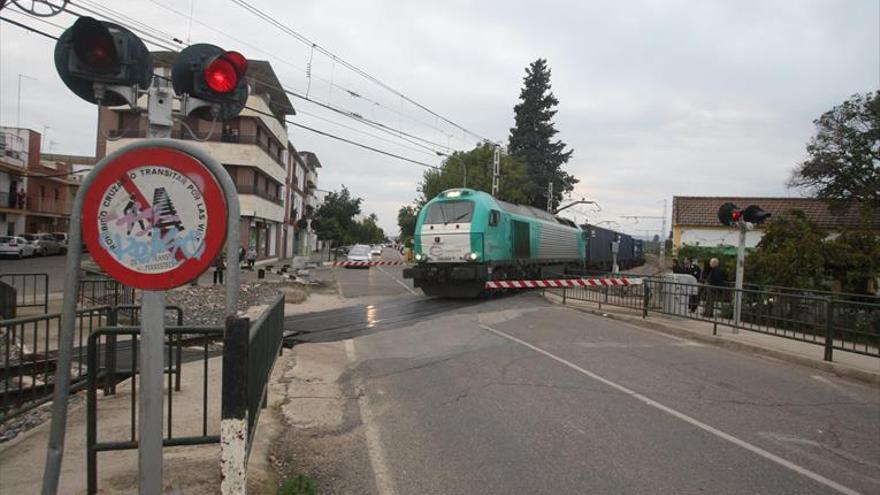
x: 376, y: 250
x: 62, y: 237
x: 16, y: 246
x: 45, y: 244
x: 359, y: 252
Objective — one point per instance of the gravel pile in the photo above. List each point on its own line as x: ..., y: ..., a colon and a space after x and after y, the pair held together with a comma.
x: 205, y: 305
x: 24, y: 422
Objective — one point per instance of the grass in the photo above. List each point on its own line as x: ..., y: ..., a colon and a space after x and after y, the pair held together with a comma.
x: 298, y: 485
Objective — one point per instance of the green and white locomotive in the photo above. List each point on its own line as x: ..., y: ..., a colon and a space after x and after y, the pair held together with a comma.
x: 464, y: 237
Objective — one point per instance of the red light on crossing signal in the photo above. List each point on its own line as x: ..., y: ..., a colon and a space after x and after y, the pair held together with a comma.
x: 221, y: 76
x: 94, y: 45
x: 238, y: 61
x: 736, y: 215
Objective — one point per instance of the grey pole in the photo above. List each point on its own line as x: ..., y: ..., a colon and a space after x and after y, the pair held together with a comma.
x: 740, y: 265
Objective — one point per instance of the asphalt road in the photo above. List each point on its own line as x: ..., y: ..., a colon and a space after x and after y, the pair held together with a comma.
x: 516, y: 395
x: 376, y: 280
x: 52, y: 265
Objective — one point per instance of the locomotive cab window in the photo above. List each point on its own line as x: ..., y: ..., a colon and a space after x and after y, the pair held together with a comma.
x: 494, y: 218
x: 450, y: 212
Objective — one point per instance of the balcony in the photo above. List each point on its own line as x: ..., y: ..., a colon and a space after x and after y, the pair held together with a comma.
x: 12, y: 201
x: 245, y: 189
x: 50, y: 206
x: 227, y: 148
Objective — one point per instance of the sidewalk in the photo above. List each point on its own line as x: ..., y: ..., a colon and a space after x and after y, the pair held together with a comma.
x: 845, y: 364
x: 190, y: 470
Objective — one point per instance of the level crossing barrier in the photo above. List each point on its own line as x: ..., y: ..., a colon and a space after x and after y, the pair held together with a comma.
x: 32, y: 289
x: 368, y: 263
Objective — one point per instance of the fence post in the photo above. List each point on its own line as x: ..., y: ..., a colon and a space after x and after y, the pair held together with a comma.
x: 645, y: 300
x: 563, y: 295
x: 110, y: 354
x: 829, y: 328
x: 234, y: 413
x: 45, y: 293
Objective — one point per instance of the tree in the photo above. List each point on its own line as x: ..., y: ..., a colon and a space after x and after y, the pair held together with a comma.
x: 406, y: 220
x: 367, y: 231
x: 792, y: 253
x: 531, y: 138
x: 334, y: 219
x: 844, y: 156
x: 476, y: 164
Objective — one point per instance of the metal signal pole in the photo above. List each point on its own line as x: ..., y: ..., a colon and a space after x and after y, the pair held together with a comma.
x: 496, y: 170
x: 740, y: 268
x: 550, y: 196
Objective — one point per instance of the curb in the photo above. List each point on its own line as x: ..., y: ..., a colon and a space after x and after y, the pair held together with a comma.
x: 837, y: 369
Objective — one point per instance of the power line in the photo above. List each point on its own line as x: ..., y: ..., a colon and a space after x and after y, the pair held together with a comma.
x: 286, y: 29
x: 309, y: 73
x: 25, y: 26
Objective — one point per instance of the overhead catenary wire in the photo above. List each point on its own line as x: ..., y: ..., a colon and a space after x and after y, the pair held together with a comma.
x: 295, y: 124
x: 160, y: 43
x: 357, y: 70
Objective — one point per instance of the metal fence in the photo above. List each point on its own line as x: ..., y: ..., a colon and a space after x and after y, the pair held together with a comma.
x: 250, y: 351
x: 28, y: 355
x: 32, y: 289
x: 851, y: 325
x: 98, y: 290
x: 122, y: 344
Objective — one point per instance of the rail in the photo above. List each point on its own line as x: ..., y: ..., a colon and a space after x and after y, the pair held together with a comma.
x: 99, y: 290
x: 198, y: 342
x: 835, y: 323
x: 32, y: 289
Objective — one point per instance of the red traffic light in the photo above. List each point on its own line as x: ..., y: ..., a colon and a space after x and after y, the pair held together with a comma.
x: 220, y: 76
x: 223, y: 73
x: 93, y: 44
x: 735, y: 215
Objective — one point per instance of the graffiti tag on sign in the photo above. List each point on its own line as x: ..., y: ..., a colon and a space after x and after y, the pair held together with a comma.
x: 154, y: 218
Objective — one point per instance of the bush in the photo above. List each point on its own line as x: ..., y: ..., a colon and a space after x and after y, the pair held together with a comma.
x: 298, y: 485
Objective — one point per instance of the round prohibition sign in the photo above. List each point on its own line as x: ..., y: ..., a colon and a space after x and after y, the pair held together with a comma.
x: 154, y: 218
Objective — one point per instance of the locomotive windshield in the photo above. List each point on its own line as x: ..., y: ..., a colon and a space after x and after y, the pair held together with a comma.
x: 450, y: 211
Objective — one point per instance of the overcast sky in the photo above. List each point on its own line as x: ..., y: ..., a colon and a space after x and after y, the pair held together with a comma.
x: 656, y: 98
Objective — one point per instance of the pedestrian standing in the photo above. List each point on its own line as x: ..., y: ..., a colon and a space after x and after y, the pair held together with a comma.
x: 676, y: 267
x: 219, y: 268
x: 692, y: 268
x: 716, y: 278
x: 252, y: 257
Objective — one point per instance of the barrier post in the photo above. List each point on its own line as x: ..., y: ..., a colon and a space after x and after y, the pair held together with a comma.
x: 829, y: 329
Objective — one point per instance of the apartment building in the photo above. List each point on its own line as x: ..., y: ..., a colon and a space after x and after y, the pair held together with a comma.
x: 17, y: 146
x: 312, y: 199
x: 253, y: 148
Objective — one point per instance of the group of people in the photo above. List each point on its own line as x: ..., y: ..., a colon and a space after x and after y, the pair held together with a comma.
x: 711, y: 275
x: 247, y: 255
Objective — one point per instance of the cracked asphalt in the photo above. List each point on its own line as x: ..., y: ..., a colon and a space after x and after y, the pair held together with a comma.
x: 518, y: 395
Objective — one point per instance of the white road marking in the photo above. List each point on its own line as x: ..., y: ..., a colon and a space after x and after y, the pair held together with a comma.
x: 398, y: 281
x: 375, y: 451
x: 684, y: 417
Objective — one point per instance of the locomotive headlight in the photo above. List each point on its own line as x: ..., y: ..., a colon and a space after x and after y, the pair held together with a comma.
x: 471, y: 256
x: 421, y: 257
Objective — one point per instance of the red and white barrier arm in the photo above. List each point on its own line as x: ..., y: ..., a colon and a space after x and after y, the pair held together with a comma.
x: 368, y: 263
x: 566, y: 282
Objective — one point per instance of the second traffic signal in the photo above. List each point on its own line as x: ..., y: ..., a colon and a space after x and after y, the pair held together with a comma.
x: 215, y: 76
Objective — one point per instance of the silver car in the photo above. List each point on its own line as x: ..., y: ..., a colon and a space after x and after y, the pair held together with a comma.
x: 15, y: 246
x: 45, y: 244
x: 360, y: 255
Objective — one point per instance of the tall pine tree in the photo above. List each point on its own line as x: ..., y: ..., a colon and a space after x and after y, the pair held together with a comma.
x: 531, y: 138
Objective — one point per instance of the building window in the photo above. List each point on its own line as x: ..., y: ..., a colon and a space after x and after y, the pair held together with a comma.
x: 57, y: 195
x: 42, y: 191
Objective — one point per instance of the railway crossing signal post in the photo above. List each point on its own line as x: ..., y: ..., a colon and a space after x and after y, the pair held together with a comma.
x: 154, y: 214
x: 743, y: 220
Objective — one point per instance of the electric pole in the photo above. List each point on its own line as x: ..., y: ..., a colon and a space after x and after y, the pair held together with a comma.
x: 550, y: 196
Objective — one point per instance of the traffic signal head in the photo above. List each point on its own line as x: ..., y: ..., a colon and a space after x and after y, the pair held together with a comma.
x: 755, y: 214
x: 93, y: 51
x: 213, y: 75
x: 728, y: 214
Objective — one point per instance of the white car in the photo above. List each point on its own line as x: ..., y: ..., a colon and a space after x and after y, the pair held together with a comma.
x: 376, y: 250
x: 16, y: 246
x: 359, y: 253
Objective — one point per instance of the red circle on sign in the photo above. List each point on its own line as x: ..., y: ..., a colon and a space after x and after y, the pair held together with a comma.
x: 120, y: 177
